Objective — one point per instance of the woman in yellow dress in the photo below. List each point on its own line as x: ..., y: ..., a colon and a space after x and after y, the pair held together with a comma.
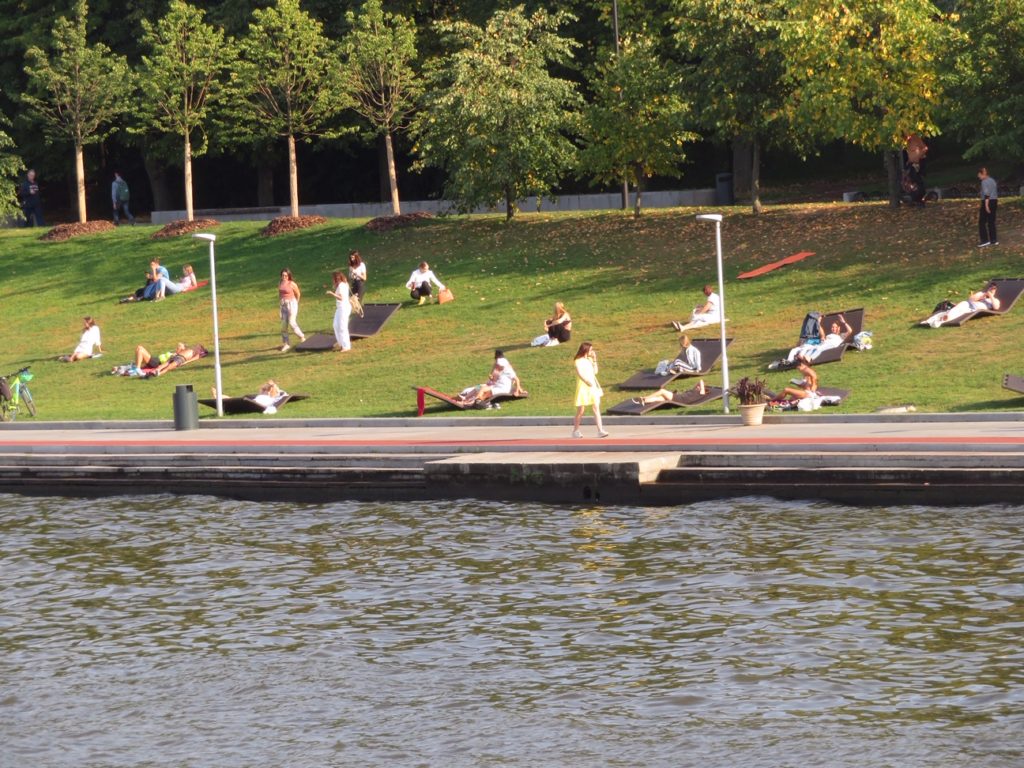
x: 588, y: 390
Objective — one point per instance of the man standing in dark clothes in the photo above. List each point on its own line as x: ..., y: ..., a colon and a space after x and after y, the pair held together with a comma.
x: 119, y: 196
x: 31, y: 204
x: 987, y: 212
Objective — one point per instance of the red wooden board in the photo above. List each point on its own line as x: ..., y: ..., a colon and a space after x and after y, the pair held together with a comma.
x: 776, y: 264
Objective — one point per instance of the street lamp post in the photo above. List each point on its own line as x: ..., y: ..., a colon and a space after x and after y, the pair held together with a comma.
x: 717, y: 218
x: 211, y: 239
x: 615, y: 30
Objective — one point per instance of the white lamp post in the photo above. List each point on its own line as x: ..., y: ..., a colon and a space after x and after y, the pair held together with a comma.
x: 211, y: 239
x: 717, y: 218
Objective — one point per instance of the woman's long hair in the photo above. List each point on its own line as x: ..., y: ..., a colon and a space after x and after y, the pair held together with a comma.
x: 584, y: 350
x: 339, y: 278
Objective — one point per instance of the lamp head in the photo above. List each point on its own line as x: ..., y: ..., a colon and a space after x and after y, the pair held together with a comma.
x: 700, y: 217
x: 205, y: 236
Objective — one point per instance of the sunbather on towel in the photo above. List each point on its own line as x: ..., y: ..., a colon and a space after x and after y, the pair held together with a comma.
x: 502, y: 381
x: 836, y: 337
x: 88, y: 345
x: 163, y: 363
x: 704, y: 314
x: 166, y: 286
x: 984, y: 299
x: 664, y: 395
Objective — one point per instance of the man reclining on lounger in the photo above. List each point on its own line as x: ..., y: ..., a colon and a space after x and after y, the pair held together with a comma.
x: 984, y: 299
x: 502, y: 381
x: 810, y: 351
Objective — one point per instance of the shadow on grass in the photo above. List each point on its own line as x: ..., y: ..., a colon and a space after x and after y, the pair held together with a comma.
x: 1011, y: 403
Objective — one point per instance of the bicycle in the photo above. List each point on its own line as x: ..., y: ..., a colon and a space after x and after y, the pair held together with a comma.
x: 14, y: 393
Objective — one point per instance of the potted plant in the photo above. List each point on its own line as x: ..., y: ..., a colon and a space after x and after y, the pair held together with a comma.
x: 751, y: 394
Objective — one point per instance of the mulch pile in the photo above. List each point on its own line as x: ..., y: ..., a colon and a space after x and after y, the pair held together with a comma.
x: 387, y: 223
x: 63, y: 232
x: 183, y: 227
x: 283, y: 224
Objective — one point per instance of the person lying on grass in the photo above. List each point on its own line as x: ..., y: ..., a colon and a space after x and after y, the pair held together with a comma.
x: 166, y: 286
x: 167, y: 361
x: 836, y: 337
x: 983, y: 299
x: 502, y: 381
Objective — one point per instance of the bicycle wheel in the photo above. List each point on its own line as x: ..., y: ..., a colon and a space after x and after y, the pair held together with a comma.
x: 26, y: 398
x: 6, y: 408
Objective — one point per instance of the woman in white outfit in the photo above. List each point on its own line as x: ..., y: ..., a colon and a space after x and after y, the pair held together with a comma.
x: 342, y: 312
x: 88, y: 344
x: 985, y: 299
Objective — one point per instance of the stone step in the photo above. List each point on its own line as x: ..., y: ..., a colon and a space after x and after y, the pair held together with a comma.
x: 859, y: 459
x: 204, y: 460
x: 810, y: 476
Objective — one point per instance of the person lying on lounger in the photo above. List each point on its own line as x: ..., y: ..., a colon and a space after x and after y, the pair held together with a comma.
x: 503, y: 381
x: 836, y: 337
x: 267, y: 398
x: 665, y: 395
x: 703, y: 314
x: 163, y: 363
x: 984, y: 299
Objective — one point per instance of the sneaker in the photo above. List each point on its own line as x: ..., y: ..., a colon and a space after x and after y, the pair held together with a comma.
x: 677, y: 325
x: 773, y: 365
x: 638, y: 401
x: 423, y: 300
x: 577, y: 434
x: 994, y: 242
x: 602, y: 434
x: 285, y: 347
x: 984, y: 245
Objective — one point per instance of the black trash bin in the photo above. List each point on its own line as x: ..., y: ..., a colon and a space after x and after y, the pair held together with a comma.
x: 723, y: 189
x: 186, y: 408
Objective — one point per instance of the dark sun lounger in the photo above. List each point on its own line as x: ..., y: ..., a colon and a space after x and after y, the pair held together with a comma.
x: 246, y: 404
x: 423, y: 392
x: 1008, y: 290
x: 687, y: 399
x: 373, y: 319
x: 1013, y: 383
x: 710, y: 351
x: 855, y: 317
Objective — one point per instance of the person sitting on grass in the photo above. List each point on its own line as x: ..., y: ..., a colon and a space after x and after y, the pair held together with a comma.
x: 809, y: 386
x: 502, y: 381
x: 983, y: 299
x: 557, y: 328
x: 836, y: 337
x: 419, y: 282
x: 187, y: 283
x: 703, y: 314
x: 666, y: 395
x: 88, y: 345
x: 167, y: 361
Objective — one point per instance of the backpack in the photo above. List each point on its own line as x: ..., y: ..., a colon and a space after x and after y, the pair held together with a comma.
x: 122, y: 191
x: 809, y: 328
x: 943, y: 306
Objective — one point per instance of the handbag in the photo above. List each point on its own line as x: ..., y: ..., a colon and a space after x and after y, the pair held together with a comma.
x: 445, y: 295
x: 357, y: 305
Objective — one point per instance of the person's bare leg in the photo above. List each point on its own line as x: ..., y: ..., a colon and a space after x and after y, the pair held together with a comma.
x: 578, y: 419
x: 141, y: 356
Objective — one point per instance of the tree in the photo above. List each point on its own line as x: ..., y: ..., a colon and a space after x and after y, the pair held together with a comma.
x: 286, y: 82
x: 10, y: 169
x: 987, y: 79
x: 736, y: 60
x: 78, y: 92
x: 866, y: 72
x: 182, y: 74
x: 494, y: 117
x: 378, y: 55
x: 639, y: 120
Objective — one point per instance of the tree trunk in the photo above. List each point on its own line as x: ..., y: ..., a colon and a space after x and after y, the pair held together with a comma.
x: 741, y: 165
x: 892, y: 170
x: 755, y: 177
x: 625, y: 192
x: 639, y: 190
x: 396, y: 207
x: 264, y: 183
x: 157, y: 181
x: 189, y: 210
x: 510, y: 209
x: 293, y: 177
x: 80, y: 182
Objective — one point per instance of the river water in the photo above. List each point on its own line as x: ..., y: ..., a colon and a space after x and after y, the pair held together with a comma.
x: 201, y: 632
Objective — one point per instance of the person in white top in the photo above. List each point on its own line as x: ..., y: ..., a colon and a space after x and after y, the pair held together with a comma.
x: 420, y: 280
x: 187, y: 283
x: 357, y: 274
x: 703, y: 314
x: 503, y: 381
x: 342, y: 312
x: 88, y: 345
x: 984, y: 299
x: 836, y: 337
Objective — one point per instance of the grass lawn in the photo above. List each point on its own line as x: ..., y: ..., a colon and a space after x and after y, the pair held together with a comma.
x: 622, y: 279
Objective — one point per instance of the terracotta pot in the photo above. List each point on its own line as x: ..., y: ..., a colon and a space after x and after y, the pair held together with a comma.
x: 753, y: 415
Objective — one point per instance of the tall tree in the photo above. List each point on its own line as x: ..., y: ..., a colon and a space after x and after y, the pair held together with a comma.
x: 495, y: 117
x: 867, y: 72
x: 736, y: 60
x: 639, y: 120
x: 987, y: 79
x: 10, y: 168
x: 286, y: 83
x: 78, y: 92
x: 183, y: 73
x: 378, y: 54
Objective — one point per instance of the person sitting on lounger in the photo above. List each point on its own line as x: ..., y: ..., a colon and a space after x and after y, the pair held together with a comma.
x: 557, y: 328
x: 809, y: 387
x: 665, y: 395
x: 703, y: 314
x: 167, y: 361
x: 88, y: 345
x: 836, y: 337
x: 166, y: 286
x: 984, y: 299
x: 688, y: 359
x: 503, y: 381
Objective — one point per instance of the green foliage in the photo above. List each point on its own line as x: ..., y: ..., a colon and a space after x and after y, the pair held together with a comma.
x: 987, y: 79
x: 10, y: 170
x: 79, y: 92
x: 638, y: 123
x: 183, y: 72
x: 494, y: 117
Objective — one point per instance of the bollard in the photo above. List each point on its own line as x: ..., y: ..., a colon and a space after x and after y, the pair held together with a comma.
x: 186, y: 408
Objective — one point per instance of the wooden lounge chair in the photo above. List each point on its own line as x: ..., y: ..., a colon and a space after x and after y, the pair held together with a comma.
x: 710, y: 351
x: 246, y: 403
x: 855, y: 317
x: 1008, y: 290
x: 370, y: 324
x: 423, y: 392
x: 687, y: 399
x: 775, y: 265
x: 1013, y: 383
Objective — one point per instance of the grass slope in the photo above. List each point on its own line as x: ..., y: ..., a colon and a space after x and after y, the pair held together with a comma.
x: 622, y: 279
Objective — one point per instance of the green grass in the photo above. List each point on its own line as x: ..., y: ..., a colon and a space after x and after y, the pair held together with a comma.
x: 623, y: 280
